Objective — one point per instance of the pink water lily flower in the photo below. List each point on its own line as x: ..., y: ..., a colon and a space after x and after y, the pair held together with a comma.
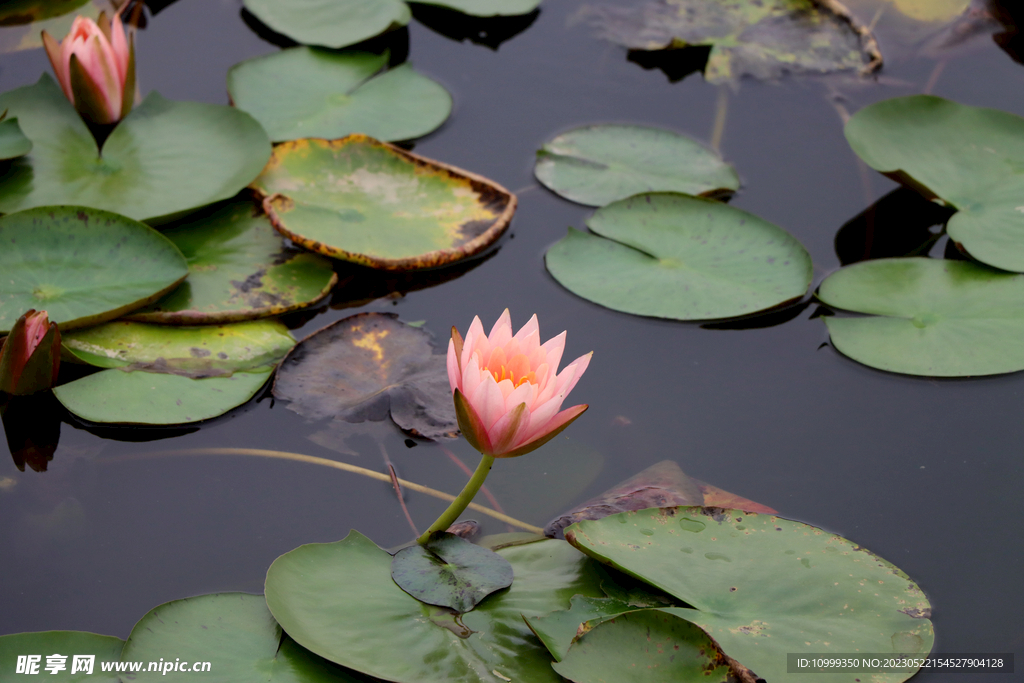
x: 507, y: 388
x: 95, y: 65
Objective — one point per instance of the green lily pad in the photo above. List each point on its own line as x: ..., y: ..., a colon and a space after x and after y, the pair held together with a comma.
x: 330, y: 23
x: 239, y: 269
x: 365, y: 367
x: 597, y: 165
x: 17, y: 12
x: 150, y: 398
x: 671, y: 255
x: 375, y: 204
x: 164, y: 158
x: 762, y: 586
x: 339, y: 601
x: 13, y: 142
x: 202, y: 351
x: 82, y: 266
x: 66, y: 644
x: 449, y: 571
x: 764, y: 39
x: 305, y: 92
x: 928, y: 317
x: 486, y: 8
x: 558, y: 630
x: 971, y: 158
x: 646, y: 646
x: 234, y: 633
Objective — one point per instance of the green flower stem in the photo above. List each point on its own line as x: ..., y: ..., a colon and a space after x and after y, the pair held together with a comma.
x: 462, y: 500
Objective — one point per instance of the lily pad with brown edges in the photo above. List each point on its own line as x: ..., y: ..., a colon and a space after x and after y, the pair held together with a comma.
x: 239, y: 269
x: 663, y: 484
x: 366, y: 367
x: 365, y: 201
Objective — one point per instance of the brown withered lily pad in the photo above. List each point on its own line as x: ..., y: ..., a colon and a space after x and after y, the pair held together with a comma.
x: 372, y: 203
x: 366, y: 367
x: 663, y: 484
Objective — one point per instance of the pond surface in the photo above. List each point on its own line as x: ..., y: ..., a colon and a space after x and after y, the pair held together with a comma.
x: 923, y: 472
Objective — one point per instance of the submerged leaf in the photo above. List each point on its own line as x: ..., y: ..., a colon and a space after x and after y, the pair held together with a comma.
x: 366, y: 367
x: 763, y: 39
x: 449, y: 571
x: 663, y: 484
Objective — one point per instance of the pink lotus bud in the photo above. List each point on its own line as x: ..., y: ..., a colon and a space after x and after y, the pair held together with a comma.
x: 508, y: 391
x: 95, y: 65
x: 30, y: 357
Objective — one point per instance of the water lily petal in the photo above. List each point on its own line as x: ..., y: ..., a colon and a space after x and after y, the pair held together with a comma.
x: 550, y: 431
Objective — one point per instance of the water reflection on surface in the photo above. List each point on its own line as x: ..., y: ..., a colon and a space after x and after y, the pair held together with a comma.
x: 923, y: 472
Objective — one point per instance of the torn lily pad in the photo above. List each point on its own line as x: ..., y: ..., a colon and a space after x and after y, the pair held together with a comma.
x: 366, y: 367
x: 239, y: 269
x: 762, y: 586
x: 375, y: 204
x: 200, y: 351
x: 305, y: 92
x: 599, y: 164
x: 763, y: 39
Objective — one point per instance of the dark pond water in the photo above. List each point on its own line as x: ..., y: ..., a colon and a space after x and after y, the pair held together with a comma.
x: 924, y: 472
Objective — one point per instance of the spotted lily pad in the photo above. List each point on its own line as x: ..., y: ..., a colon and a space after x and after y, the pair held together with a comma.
x: 305, y: 92
x: 762, y: 586
x: 969, y: 157
x: 239, y: 269
x: 202, y: 351
x: 763, y: 39
x: 339, y: 601
x: 597, y: 165
x: 559, y: 629
x: 671, y: 255
x: 152, y: 398
x: 330, y: 23
x: 74, y: 646
x: 449, y: 571
x: 366, y: 367
x: 164, y: 158
x: 928, y: 317
x: 13, y: 142
x: 235, y: 633
x: 82, y: 266
x: 486, y: 8
x: 375, y: 204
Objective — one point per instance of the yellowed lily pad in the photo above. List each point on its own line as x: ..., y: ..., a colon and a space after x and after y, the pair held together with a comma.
x: 372, y: 203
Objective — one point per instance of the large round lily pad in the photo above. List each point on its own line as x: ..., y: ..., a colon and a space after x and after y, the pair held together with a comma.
x: 330, y: 23
x: 164, y: 158
x: 970, y: 157
x: 13, y: 142
x: 486, y: 8
x: 375, y: 204
x: 338, y: 600
x: 671, y: 255
x: 151, y: 398
x: 763, y: 586
x: 201, y: 351
x: 928, y: 317
x: 366, y: 367
x: 82, y: 266
x: 597, y: 165
x: 239, y: 269
x: 305, y: 92
x: 42, y: 644
x: 234, y: 633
